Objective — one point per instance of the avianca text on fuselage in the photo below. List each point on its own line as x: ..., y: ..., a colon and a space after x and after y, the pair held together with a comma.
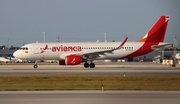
x: 62, y: 48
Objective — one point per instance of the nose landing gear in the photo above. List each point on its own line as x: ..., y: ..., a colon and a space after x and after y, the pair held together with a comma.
x: 35, y: 65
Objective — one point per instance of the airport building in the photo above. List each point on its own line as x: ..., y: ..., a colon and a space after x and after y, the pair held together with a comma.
x: 7, y: 51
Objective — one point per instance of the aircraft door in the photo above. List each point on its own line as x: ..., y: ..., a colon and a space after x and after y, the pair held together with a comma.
x: 36, y: 49
x: 37, y: 53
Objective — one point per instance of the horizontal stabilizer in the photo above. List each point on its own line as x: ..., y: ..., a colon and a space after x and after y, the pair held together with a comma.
x: 161, y: 46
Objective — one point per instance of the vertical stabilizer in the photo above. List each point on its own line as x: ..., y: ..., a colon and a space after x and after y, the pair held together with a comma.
x: 157, y: 32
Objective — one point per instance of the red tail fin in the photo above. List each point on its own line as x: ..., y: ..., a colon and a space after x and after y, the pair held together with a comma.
x: 157, y: 32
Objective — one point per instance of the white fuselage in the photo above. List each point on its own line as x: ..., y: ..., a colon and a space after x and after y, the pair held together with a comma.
x: 58, y: 51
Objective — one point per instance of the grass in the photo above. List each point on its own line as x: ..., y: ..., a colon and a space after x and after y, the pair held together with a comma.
x: 14, y: 83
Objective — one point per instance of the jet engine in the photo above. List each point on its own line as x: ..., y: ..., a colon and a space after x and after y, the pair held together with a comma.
x: 71, y: 60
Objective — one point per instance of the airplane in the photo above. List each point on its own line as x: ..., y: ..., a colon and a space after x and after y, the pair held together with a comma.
x: 4, y: 60
x: 16, y: 60
x: 177, y: 56
x: 87, y: 52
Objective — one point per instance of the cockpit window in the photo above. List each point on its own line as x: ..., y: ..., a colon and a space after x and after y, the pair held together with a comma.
x: 23, y: 48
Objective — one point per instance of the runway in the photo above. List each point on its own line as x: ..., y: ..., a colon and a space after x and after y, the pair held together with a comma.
x: 131, y: 69
x: 89, y: 97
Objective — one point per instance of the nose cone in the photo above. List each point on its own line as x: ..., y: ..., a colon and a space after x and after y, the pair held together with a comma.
x: 16, y: 54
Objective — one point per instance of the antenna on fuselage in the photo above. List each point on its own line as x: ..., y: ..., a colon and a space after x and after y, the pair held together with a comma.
x: 58, y: 38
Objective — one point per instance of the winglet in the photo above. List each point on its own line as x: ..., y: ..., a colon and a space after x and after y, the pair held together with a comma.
x: 124, y: 41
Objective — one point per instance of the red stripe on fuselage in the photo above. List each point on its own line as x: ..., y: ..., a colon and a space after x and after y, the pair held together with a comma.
x: 144, y: 49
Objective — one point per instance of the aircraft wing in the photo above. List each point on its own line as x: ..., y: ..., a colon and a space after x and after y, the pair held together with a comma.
x: 91, y: 55
x: 161, y: 46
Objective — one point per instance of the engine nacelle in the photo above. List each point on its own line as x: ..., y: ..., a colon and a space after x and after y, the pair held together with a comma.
x: 73, y: 60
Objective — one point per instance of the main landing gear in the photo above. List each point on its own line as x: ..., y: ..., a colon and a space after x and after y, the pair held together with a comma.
x: 86, y: 65
x: 91, y: 65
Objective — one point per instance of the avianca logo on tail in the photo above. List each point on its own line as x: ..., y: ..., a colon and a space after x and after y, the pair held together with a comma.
x: 62, y: 48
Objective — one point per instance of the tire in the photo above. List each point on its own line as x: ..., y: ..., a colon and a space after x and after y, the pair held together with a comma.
x: 35, y: 66
x: 92, y: 65
x: 86, y: 65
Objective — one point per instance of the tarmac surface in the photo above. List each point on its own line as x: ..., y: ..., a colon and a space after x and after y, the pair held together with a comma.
x: 89, y: 97
x: 108, y: 69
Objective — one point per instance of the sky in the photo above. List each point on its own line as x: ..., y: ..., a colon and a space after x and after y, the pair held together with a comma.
x: 24, y: 21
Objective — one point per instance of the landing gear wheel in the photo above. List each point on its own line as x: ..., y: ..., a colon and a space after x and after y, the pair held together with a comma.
x: 86, y: 65
x: 92, y: 65
x: 35, y: 66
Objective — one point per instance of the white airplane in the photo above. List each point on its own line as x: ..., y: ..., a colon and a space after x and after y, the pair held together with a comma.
x: 177, y: 56
x: 76, y: 53
x: 4, y: 60
x: 16, y: 60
